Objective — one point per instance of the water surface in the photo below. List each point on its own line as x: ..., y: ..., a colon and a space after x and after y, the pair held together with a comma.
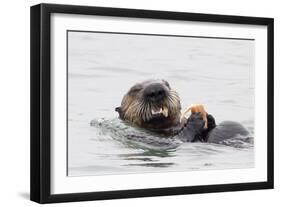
x: 101, y: 67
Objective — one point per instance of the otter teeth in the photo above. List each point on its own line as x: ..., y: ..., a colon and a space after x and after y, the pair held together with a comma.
x: 159, y: 111
x: 163, y: 111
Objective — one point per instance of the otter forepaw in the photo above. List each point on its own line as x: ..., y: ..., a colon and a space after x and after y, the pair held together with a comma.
x: 196, y: 108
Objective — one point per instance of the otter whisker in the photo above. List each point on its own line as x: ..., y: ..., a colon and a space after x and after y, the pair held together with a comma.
x: 140, y: 108
x: 172, y: 101
x: 174, y: 97
x: 142, y: 111
x: 147, y: 112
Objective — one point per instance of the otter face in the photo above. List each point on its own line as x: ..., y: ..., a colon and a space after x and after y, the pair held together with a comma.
x: 151, y: 104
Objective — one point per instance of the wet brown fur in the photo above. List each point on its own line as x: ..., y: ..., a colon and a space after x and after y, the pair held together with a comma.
x: 135, y: 110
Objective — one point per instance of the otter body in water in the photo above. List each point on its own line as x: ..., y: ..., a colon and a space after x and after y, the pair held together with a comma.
x: 154, y: 106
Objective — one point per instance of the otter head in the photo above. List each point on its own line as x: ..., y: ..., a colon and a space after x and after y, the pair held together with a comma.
x: 151, y: 105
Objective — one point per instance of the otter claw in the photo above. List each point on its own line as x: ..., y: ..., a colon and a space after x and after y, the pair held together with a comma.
x: 195, y: 108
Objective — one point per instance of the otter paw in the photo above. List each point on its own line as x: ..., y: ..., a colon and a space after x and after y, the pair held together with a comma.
x: 196, y: 108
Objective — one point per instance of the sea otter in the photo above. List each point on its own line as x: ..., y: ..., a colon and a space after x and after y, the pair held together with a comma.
x: 154, y: 106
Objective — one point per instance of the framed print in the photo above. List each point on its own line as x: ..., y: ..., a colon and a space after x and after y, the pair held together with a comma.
x: 133, y: 103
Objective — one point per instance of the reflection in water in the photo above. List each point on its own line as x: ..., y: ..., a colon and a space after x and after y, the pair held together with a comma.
x: 216, y: 72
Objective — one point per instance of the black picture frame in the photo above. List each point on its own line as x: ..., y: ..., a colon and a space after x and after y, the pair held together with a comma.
x: 40, y: 184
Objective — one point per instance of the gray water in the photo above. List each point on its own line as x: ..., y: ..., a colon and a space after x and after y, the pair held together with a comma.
x: 102, y: 67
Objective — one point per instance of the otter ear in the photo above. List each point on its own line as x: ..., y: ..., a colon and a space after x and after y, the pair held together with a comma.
x: 166, y: 83
x: 119, y: 110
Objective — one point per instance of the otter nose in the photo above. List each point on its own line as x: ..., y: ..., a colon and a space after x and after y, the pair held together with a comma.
x: 154, y: 92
